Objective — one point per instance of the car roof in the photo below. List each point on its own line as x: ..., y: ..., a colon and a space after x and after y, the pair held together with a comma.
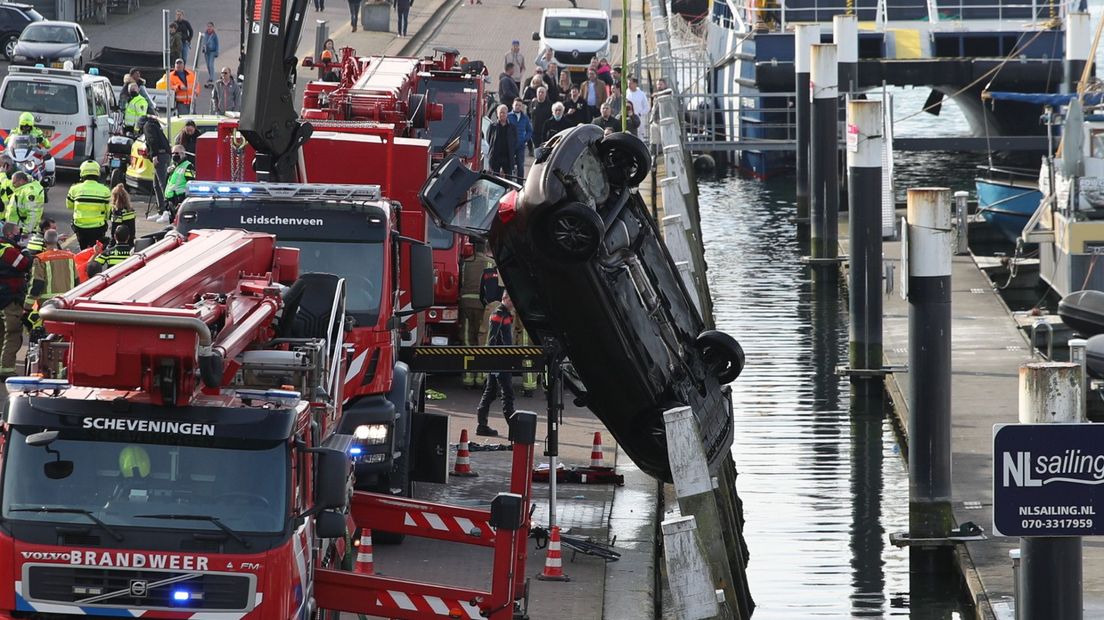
x: 17, y: 5
x: 51, y: 22
x: 576, y: 13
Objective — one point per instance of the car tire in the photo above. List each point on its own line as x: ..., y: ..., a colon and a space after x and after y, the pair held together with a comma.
x: 625, y: 157
x: 573, y: 231
x: 9, y: 46
x: 722, y: 353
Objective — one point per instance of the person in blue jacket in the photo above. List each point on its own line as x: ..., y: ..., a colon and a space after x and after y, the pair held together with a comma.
x: 519, y: 119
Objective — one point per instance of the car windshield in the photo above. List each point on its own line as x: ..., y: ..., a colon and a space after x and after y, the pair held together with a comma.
x: 588, y: 28
x: 39, y: 98
x: 118, y: 481
x: 457, y: 122
x: 361, y: 264
x: 49, y: 34
x: 440, y: 238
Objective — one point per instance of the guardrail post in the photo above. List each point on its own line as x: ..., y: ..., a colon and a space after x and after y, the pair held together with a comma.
x: 929, y: 345
x: 804, y: 37
x: 687, y: 571
x: 694, y: 489
x: 1050, y: 567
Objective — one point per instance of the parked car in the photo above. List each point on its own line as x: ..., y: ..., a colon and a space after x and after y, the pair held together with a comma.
x: 72, y: 108
x: 52, y: 44
x: 575, y: 37
x: 584, y: 263
x: 13, y: 19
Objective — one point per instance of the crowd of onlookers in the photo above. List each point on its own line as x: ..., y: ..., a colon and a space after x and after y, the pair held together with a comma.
x: 532, y: 109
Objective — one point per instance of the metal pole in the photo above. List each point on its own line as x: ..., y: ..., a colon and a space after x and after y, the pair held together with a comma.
x: 824, y: 153
x: 170, y: 99
x: 552, y: 446
x: 1077, y: 355
x: 962, y: 223
x: 845, y: 34
x: 624, y: 65
x: 804, y: 37
x: 929, y: 445
x: 864, y: 177
x: 1050, y: 567
x: 1078, y: 46
x: 639, y: 60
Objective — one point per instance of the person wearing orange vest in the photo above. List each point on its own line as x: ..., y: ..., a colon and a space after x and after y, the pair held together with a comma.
x: 53, y: 272
x: 182, y: 81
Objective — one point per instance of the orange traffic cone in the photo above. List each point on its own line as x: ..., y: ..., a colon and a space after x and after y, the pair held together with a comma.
x: 553, y: 564
x: 364, y: 563
x: 463, y: 458
x: 596, y: 452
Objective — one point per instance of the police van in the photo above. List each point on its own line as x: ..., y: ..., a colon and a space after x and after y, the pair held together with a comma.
x: 72, y: 108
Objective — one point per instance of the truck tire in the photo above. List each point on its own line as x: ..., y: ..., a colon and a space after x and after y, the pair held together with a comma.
x: 722, y: 353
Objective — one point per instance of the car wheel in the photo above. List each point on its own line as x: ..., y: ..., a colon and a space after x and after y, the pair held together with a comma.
x: 722, y: 353
x: 574, y: 231
x: 9, y: 46
x: 625, y: 157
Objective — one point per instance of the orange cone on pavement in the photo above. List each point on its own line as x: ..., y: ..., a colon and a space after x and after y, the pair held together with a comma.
x: 596, y: 452
x: 553, y: 564
x: 463, y: 458
x: 365, y: 565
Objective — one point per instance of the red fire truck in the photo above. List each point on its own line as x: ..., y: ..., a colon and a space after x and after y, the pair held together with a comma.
x: 187, y: 461
x: 443, y: 98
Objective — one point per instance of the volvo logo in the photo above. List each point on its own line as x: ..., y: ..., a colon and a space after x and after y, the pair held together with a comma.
x: 139, y: 588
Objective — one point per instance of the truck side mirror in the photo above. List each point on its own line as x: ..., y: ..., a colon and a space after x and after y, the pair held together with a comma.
x: 536, y: 36
x: 613, y: 39
x: 421, y: 276
x: 329, y: 524
x: 332, y: 471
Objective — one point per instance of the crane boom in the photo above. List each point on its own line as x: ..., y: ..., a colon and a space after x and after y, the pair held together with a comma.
x: 269, y: 119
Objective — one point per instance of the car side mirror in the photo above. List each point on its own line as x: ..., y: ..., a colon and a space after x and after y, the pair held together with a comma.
x: 332, y: 471
x: 536, y: 36
x: 329, y: 524
x: 613, y: 39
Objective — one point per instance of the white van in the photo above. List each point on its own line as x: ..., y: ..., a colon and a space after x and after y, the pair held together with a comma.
x: 73, y: 109
x: 575, y: 36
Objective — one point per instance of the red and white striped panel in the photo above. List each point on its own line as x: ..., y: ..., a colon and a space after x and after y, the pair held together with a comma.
x: 456, y: 525
x: 425, y: 604
x: 64, y: 148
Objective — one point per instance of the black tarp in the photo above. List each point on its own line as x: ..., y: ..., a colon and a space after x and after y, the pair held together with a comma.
x: 116, y: 62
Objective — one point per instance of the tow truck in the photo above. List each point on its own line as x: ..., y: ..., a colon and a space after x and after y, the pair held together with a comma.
x: 450, y: 95
x: 176, y: 453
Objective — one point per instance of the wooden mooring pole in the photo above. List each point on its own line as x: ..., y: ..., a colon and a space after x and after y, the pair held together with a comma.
x: 1078, y: 47
x: 804, y: 37
x: 824, y: 154
x: 1050, y: 567
x: 864, y: 178
x: 688, y: 572
x: 930, y: 240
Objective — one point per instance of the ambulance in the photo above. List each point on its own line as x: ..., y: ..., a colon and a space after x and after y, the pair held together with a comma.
x: 72, y: 108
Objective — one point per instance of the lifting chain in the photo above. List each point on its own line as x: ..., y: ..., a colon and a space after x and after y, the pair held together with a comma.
x: 237, y: 156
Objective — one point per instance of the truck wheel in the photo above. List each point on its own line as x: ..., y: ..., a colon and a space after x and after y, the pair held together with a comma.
x: 574, y: 231
x: 723, y: 355
x: 625, y: 157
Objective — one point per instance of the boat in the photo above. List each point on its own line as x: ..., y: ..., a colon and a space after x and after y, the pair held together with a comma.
x: 1007, y: 197
x: 943, y: 45
x: 1083, y: 312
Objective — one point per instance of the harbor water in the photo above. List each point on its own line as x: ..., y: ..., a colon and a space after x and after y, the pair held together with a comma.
x: 822, y: 476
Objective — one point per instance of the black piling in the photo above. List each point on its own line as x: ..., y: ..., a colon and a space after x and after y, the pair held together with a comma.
x: 864, y: 178
x: 804, y: 36
x: 824, y: 153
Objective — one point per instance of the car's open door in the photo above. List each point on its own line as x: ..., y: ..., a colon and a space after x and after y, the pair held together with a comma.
x: 463, y: 200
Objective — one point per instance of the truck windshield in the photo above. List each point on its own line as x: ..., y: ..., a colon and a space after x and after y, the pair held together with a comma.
x: 457, y: 123
x: 118, y: 482
x: 361, y: 264
x: 587, y: 28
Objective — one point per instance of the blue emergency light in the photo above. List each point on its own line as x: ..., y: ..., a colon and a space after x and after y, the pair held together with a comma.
x: 285, y: 398
x: 181, y: 595
x: 34, y: 384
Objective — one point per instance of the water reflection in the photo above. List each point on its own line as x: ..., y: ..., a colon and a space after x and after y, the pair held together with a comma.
x: 821, y: 474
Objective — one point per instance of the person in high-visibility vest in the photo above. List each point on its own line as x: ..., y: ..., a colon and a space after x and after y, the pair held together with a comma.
x: 27, y: 128
x: 177, y: 185
x: 37, y: 242
x: 90, y: 201
x: 54, y: 272
x: 135, y: 110
x: 25, y: 206
x: 115, y: 253
x: 7, y: 169
x: 121, y: 210
x: 472, y: 304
